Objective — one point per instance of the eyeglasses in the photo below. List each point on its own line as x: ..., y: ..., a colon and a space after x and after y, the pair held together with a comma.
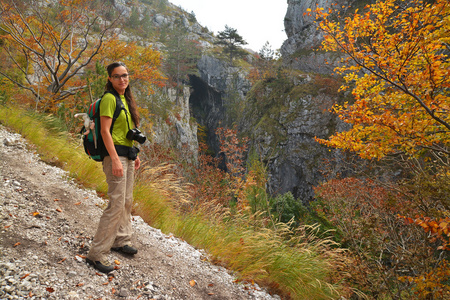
x: 118, y: 77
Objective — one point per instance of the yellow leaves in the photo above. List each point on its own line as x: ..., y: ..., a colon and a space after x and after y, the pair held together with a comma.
x: 445, y: 227
x: 431, y: 283
x: 438, y: 228
x: 401, y: 54
x: 59, y: 40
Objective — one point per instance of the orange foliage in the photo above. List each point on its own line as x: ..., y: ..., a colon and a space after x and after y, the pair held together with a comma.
x: 143, y: 62
x: 234, y: 149
x: 390, y: 253
x: 52, y: 56
x: 433, y: 284
x: 438, y: 229
x: 397, y: 60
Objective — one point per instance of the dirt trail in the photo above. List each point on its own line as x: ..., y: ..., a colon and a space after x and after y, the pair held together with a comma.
x: 46, y: 226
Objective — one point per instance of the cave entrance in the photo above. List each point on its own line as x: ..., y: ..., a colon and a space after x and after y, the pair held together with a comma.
x: 206, y: 107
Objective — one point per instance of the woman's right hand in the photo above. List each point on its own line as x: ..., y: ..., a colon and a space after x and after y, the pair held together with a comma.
x: 117, y: 167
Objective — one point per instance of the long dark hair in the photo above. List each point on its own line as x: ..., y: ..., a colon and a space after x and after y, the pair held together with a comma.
x: 132, y: 106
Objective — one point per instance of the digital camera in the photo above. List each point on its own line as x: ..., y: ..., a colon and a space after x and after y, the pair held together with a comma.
x: 136, y: 135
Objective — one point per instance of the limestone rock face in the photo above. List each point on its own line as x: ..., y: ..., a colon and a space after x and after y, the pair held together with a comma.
x: 178, y: 129
x: 221, y: 76
x: 186, y: 130
x: 282, y: 131
x: 303, y: 37
x: 298, y: 23
x: 213, y: 72
x: 301, y: 160
x: 211, y: 92
x: 284, y: 138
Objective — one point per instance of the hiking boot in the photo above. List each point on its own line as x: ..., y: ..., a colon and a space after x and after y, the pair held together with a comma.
x: 102, y: 266
x: 125, y: 249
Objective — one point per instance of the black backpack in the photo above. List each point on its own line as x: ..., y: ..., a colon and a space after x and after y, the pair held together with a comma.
x: 92, y: 138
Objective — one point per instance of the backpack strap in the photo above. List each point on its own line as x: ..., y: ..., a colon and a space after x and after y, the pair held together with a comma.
x: 119, y: 107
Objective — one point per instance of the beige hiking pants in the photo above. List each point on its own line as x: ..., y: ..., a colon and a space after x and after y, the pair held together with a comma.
x: 114, y: 228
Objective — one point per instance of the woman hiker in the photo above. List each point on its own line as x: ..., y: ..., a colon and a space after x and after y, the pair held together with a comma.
x: 114, y: 229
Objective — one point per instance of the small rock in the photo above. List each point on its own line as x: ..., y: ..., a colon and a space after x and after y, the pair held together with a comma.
x: 72, y: 274
x: 9, y: 141
x: 73, y: 295
x: 123, y: 292
x: 9, y: 288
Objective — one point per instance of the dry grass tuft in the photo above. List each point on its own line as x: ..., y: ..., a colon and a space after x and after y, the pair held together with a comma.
x: 298, y: 265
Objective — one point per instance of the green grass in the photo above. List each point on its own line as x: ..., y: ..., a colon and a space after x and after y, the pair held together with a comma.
x: 263, y: 255
x: 55, y: 146
x: 294, y: 265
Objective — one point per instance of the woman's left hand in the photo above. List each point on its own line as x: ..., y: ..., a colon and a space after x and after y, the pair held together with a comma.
x: 137, y: 163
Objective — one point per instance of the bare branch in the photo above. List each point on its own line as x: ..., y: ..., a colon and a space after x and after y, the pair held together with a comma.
x: 58, y: 47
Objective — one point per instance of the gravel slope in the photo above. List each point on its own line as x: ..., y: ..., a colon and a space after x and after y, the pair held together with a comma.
x: 46, y: 227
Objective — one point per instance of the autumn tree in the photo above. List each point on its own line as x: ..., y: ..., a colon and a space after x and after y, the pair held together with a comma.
x: 396, y: 64
x: 232, y: 42
x: 396, y: 61
x: 50, y: 45
x: 385, y: 247
x: 234, y: 149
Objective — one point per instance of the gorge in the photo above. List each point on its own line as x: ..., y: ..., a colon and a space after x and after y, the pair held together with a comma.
x: 282, y: 132
x: 281, y: 115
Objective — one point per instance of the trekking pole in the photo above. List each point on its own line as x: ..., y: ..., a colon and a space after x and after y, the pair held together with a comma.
x: 92, y: 101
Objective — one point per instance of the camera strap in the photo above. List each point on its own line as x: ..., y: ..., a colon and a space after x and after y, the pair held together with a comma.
x: 126, y: 115
x: 122, y: 106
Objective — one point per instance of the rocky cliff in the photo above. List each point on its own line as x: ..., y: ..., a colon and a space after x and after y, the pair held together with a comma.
x: 283, y: 115
x: 176, y: 127
x: 283, y: 134
x: 211, y: 92
x: 301, y: 49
